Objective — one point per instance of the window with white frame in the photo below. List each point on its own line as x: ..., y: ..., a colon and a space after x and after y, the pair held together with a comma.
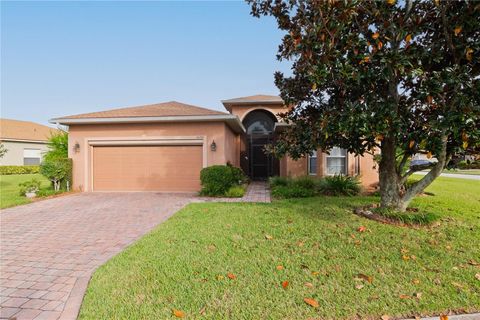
x: 31, y: 156
x: 337, y: 161
x: 312, y: 163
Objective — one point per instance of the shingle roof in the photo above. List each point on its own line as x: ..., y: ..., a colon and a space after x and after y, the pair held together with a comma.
x: 24, y: 130
x: 166, y: 109
x: 259, y: 98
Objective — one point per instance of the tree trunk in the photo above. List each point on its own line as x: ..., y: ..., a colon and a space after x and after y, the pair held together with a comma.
x: 390, y: 190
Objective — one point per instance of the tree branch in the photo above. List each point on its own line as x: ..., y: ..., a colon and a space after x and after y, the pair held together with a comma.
x: 429, y: 177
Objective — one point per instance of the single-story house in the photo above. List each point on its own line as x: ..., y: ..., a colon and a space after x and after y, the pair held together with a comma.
x: 25, y: 141
x: 163, y: 147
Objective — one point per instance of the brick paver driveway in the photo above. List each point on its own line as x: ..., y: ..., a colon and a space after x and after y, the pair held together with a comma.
x: 50, y: 248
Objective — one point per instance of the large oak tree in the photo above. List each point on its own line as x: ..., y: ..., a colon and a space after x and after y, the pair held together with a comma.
x: 384, y: 77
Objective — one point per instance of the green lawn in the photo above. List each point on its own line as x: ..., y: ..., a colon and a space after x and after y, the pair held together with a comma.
x: 184, y: 263
x: 470, y: 171
x: 9, y: 190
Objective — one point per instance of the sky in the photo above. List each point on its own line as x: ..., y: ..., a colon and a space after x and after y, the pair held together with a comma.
x: 68, y: 57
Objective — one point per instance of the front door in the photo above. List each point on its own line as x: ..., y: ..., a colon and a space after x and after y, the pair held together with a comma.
x: 260, y: 164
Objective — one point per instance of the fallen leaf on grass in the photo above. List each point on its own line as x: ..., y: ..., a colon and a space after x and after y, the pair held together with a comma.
x: 311, y: 302
x: 268, y: 237
x: 369, y: 279
x: 279, y: 267
x: 385, y: 317
x: 202, y: 311
x: 362, y: 229
x: 231, y: 276
x: 405, y: 258
x: 415, y: 281
x: 315, y: 273
x: 359, y: 286
x: 404, y: 296
x: 309, y: 284
x: 473, y: 263
x: 417, y: 295
x: 220, y: 277
x: 178, y: 313
x: 284, y: 284
x: 477, y: 276
x: 443, y: 317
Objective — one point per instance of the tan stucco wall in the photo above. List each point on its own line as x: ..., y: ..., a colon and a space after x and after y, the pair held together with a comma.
x: 14, y: 155
x: 82, y: 133
x: 232, y: 147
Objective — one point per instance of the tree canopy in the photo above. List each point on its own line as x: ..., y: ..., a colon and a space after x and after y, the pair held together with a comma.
x: 382, y: 77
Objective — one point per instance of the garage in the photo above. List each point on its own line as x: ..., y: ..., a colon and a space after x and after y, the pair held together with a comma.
x: 172, y: 168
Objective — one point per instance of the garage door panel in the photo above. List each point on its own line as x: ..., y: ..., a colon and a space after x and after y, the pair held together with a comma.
x: 147, y: 168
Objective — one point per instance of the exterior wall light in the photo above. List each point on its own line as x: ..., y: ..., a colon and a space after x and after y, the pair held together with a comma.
x: 76, y: 147
x: 213, y: 146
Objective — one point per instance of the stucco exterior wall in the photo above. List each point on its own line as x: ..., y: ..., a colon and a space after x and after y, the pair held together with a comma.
x: 14, y: 155
x: 81, y: 134
x: 232, y: 147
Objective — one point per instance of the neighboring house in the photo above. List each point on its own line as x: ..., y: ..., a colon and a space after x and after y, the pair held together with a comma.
x: 163, y: 147
x: 25, y: 141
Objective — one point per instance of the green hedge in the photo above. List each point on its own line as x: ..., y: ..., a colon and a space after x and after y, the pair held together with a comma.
x: 6, y: 170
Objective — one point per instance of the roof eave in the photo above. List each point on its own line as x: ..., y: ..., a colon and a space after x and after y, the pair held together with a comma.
x: 232, y: 120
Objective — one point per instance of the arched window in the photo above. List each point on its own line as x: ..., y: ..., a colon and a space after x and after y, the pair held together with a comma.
x: 259, y: 122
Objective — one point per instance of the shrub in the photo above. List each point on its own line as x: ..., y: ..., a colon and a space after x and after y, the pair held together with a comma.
x: 45, y: 192
x: 6, y: 170
x: 278, y: 181
x: 339, y: 185
x: 29, y: 186
x: 305, y: 182
x: 217, y: 180
x: 58, y: 171
x: 292, y: 191
x: 238, y: 175
x: 235, y: 192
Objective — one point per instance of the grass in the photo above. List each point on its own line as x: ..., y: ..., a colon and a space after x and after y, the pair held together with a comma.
x: 184, y: 263
x: 9, y: 189
x: 458, y: 171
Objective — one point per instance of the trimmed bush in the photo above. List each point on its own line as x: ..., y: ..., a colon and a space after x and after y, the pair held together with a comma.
x: 235, y: 192
x: 7, y: 170
x: 217, y: 180
x: 339, y: 185
x: 29, y: 186
x: 292, y: 191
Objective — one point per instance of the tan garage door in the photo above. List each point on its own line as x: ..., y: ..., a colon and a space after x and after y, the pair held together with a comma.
x: 147, y: 168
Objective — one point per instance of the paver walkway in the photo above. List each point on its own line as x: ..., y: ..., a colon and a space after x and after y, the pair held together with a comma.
x: 257, y: 191
x: 49, y: 249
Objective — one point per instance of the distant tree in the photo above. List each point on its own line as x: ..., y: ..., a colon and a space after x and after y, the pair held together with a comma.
x: 396, y: 77
x: 58, y: 146
x: 3, y: 150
